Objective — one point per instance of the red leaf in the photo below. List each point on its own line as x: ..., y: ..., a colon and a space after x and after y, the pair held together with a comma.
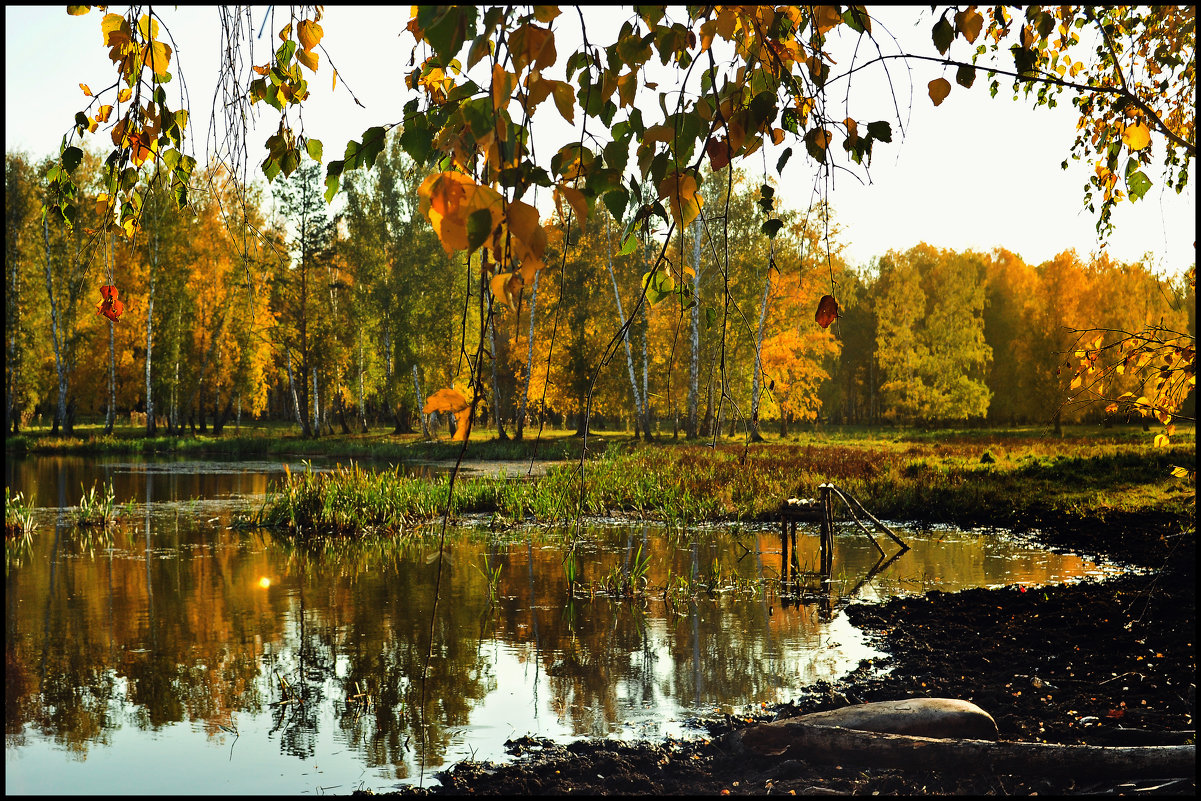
x: 718, y: 151
x: 110, y: 307
x: 827, y: 311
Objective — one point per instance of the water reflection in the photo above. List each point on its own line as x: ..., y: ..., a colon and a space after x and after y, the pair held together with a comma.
x: 149, y: 655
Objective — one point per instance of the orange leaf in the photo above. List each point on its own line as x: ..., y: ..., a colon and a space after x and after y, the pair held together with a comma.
x: 826, y: 17
x: 309, y: 34
x: 827, y: 311
x: 308, y: 59
x: 576, y: 198
x: 969, y: 23
x: 680, y: 190
x: 939, y: 89
x: 86, y: 91
x: 446, y: 400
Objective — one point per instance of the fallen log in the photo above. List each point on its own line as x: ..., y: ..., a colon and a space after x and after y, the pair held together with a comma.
x: 790, y: 739
x: 921, y: 717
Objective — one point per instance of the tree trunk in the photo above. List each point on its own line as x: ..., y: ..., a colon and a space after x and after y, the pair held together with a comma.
x: 300, y: 418
x: 646, y: 396
x: 529, y: 361
x: 621, y: 321
x: 758, y: 372
x: 362, y: 400
x: 60, y: 369
x: 110, y: 414
x: 694, y: 364
x: 342, y: 413
x: 500, y: 426
x: 316, y: 406
x: 150, y: 426
x: 849, y: 746
x: 425, y: 426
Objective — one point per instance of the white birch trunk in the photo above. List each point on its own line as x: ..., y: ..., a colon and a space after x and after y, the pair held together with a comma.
x: 694, y: 364
x: 292, y: 387
x: 60, y: 369
x: 150, y: 427
x: 756, y: 379
x: 500, y: 428
x: 621, y: 319
x: 529, y: 359
x: 425, y: 427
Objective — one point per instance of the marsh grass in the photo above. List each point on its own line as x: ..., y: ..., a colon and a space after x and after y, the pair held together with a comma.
x: 966, y: 478
x: 96, y: 509
x: 18, y: 516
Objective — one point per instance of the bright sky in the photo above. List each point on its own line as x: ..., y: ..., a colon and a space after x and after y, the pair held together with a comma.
x: 976, y: 172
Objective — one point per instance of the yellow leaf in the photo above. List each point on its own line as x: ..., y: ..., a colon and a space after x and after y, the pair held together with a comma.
x: 285, y: 33
x: 86, y: 91
x: 939, y: 89
x: 499, y: 286
x: 1162, y: 441
x: 102, y: 205
x: 124, y: 94
x: 1137, y: 136
x: 1076, y: 382
x: 546, y: 13
x: 528, y: 240
x: 157, y: 56
x: 503, y: 83
x: 309, y: 34
x: 448, y: 199
x: 564, y: 100
x: 92, y: 125
x: 76, y: 11
x: 680, y: 190
x: 531, y: 45
x: 148, y: 27
x: 826, y: 17
x: 576, y: 198
x: 969, y: 23
x: 334, y: 85
x: 1180, y: 472
x: 308, y: 58
x: 115, y: 30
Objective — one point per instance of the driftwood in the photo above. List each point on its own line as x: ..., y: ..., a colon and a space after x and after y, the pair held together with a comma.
x: 921, y: 717
x: 793, y: 740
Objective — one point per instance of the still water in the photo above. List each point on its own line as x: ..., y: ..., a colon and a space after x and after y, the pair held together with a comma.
x: 184, y: 656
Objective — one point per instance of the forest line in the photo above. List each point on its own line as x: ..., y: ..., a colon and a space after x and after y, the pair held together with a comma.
x: 338, y: 323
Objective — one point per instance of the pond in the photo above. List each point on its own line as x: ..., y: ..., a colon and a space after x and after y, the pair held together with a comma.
x: 183, y: 655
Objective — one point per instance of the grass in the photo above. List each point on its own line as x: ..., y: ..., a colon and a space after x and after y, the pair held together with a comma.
x: 945, y: 480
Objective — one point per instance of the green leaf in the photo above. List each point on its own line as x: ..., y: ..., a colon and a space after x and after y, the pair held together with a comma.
x: 616, y: 201
x: 313, y: 146
x: 628, y: 246
x: 333, y: 172
x: 880, y: 131
x: 284, y: 54
x: 965, y: 76
x: 447, y: 28
x: 943, y: 34
x: 479, y: 226
x: 771, y: 227
x: 783, y: 160
x: 416, y: 141
x: 1137, y: 185
x: 710, y: 316
x: 72, y: 157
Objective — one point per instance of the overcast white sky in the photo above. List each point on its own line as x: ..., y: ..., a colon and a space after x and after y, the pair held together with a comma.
x: 976, y: 172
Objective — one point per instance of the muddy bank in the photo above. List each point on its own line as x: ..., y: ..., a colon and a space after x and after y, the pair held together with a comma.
x: 1101, y: 663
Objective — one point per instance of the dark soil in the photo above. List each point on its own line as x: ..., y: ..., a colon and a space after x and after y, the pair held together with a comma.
x: 1101, y: 663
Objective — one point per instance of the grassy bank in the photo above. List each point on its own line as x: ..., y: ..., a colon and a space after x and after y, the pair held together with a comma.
x: 970, y: 478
